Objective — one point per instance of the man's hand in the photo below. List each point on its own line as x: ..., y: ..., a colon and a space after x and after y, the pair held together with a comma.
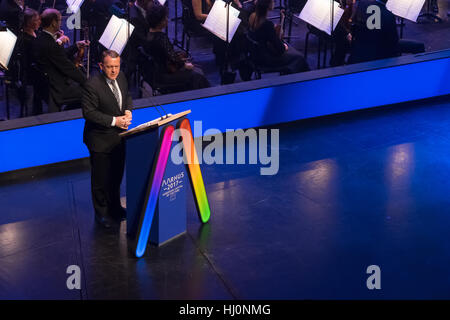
x: 128, y: 115
x: 123, y: 122
x: 82, y: 43
x: 62, y: 40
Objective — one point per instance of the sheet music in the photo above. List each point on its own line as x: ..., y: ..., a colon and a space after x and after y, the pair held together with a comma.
x: 318, y: 14
x: 408, y: 9
x: 74, y: 5
x: 122, y: 36
x: 216, y: 22
x: 115, y: 36
x: 8, y: 41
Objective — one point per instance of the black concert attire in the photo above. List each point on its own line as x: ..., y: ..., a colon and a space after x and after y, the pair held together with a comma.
x: 64, y: 78
x: 171, y: 64
x: 138, y: 37
x: 96, y: 15
x: 28, y: 75
x: 272, y: 52
x: 190, y: 21
x: 100, y: 105
x: 374, y: 44
x: 341, y: 44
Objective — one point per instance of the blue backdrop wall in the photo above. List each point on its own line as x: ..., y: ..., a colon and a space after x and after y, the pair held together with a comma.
x: 264, y: 102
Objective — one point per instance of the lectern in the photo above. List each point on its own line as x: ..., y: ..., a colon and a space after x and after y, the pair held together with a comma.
x: 156, y: 185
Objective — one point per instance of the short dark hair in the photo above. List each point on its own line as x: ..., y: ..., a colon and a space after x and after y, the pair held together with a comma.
x: 109, y: 53
x: 48, y: 16
x: 156, y: 13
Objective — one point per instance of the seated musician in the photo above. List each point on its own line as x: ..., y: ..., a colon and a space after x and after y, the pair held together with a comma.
x: 137, y: 17
x: 342, y: 35
x: 199, y: 10
x: 173, y: 67
x: 65, y: 79
x: 372, y: 44
x: 273, y: 51
x: 31, y: 24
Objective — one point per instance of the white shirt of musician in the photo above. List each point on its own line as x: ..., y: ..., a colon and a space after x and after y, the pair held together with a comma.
x: 110, y: 84
x: 54, y: 36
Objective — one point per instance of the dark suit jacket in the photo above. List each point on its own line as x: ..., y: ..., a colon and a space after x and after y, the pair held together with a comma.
x: 377, y: 43
x: 138, y: 37
x: 99, y: 107
x: 52, y: 59
x: 141, y: 27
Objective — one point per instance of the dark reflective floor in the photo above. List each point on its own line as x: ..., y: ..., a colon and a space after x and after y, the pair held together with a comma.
x: 353, y: 190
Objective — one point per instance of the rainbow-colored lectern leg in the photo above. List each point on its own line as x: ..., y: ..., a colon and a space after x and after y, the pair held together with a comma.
x: 156, y: 178
x: 195, y: 174
x: 152, y: 195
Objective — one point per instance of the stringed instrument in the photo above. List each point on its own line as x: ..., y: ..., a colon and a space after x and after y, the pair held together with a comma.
x: 83, y: 53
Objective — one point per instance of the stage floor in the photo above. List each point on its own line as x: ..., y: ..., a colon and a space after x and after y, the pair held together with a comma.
x: 353, y: 190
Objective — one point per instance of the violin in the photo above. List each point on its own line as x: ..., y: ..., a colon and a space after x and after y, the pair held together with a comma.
x: 83, y: 51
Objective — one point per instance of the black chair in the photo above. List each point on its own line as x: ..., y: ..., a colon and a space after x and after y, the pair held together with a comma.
x: 325, y: 42
x: 149, y: 71
x: 253, y: 60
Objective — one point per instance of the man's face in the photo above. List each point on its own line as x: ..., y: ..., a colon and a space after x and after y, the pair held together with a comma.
x: 110, y: 67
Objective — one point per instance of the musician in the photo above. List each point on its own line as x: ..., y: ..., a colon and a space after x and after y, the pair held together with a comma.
x: 374, y: 44
x: 138, y: 13
x: 273, y: 51
x: 64, y: 78
x: 173, y: 67
x: 342, y: 35
x: 107, y: 107
x: 31, y: 24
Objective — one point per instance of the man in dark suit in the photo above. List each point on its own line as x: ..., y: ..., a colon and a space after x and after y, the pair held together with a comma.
x: 373, y: 44
x: 107, y: 109
x: 51, y: 58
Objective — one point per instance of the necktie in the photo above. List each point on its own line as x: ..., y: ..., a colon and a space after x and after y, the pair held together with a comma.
x: 115, y: 91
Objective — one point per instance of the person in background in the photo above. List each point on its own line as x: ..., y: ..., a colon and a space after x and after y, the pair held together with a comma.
x: 31, y: 23
x: 52, y: 58
x: 373, y: 44
x: 173, y: 67
x: 138, y: 18
x: 273, y: 52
